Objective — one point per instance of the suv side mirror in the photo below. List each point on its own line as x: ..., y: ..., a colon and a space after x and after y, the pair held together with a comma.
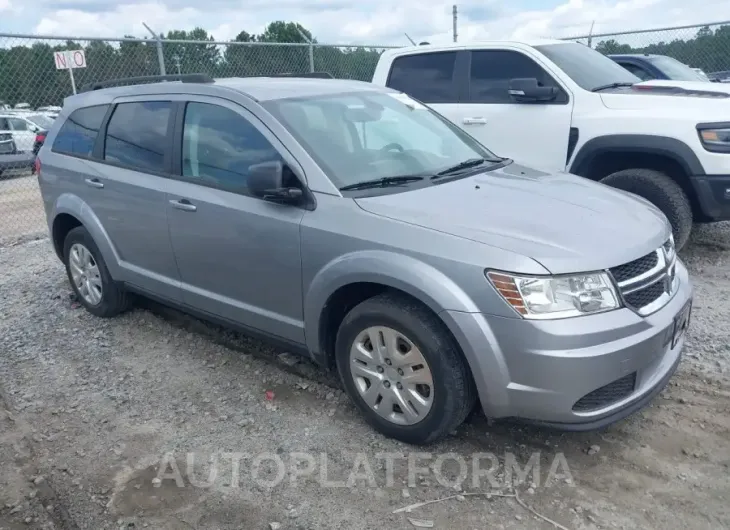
x: 528, y: 91
x: 266, y: 181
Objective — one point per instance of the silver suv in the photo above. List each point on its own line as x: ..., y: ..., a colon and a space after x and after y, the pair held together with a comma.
x: 352, y: 224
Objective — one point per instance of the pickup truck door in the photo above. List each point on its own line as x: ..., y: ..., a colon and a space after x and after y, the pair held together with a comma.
x: 533, y: 134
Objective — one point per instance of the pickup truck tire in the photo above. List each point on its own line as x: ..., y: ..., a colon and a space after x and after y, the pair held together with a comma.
x: 112, y: 298
x: 414, y: 333
x: 662, y: 191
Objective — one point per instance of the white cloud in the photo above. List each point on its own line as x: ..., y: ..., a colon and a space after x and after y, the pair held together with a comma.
x: 375, y: 21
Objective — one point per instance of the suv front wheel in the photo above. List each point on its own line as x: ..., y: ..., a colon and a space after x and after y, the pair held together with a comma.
x: 400, y: 366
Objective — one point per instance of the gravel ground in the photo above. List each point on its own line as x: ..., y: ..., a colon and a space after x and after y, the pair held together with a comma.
x: 21, y: 208
x: 113, y: 424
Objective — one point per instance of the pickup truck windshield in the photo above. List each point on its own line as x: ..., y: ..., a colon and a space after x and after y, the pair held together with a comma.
x: 364, y: 136
x: 587, y: 67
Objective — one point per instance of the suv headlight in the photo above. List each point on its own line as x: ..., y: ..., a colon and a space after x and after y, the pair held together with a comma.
x: 715, y: 138
x: 551, y: 297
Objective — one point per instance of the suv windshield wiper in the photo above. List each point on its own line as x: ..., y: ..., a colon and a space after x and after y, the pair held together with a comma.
x: 611, y: 85
x: 382, y: 182
x: 466, y: 164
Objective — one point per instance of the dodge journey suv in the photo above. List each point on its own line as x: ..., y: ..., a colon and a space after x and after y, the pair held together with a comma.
x: 354, y: 225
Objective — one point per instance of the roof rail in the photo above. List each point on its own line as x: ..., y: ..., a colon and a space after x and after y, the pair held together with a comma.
x: 125, y: 81
x: 314, y: 75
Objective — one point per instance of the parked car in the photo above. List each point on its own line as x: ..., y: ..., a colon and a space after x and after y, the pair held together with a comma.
x: 22, y: 129
x: 22, y: 106
x: 11, y: 160
x: 648, y: 66
x: 561, y: 106
x: 356, y: 226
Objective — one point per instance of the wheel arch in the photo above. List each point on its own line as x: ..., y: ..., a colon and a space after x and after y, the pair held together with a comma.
x: 604, y: 155
x: 351, y: 279
x: 71, y: 211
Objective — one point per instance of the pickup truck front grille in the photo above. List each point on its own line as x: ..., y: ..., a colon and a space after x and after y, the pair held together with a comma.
x: 646, y: 284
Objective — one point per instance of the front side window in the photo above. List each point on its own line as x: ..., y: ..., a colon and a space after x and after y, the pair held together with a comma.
x: 428, y: 77
x: 588, y: 68
x: 373, y: 135
x: 78, y: 133
x: 492, y: 71
x: 137, y: 135
x: 220, y: 145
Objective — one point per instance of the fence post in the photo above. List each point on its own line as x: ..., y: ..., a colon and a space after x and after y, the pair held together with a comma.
x: 160, y: 54
x: 311, y: 49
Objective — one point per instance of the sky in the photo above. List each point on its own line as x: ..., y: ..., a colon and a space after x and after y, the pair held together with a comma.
x: 371, y: 22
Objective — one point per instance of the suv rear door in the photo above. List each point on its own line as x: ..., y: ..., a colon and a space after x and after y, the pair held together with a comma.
x: 120, y: 175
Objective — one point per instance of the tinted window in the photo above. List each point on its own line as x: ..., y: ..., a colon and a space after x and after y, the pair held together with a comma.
x: 220, y: 145
x: 78, y: 133
x: 492, y: 70
x: 427, y: 77
x: 588, y: 68
x: 4, y: 125
x: 137, y: 134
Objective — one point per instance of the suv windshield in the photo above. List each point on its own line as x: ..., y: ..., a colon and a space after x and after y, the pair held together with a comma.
x: 587, y: 67
x: 674, y: 69
x: 364, y: 136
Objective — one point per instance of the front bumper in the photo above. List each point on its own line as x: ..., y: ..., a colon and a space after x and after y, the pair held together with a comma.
x: 547, y: 371
x: 713, y: 194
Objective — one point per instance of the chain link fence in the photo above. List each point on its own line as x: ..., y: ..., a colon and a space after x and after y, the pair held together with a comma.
x: 706, y: 46
x: 28, y: 77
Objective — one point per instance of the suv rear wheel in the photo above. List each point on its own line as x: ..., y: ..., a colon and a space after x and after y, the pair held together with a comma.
x: 662, y: 191
x: 89, y: 277
x: 402, y: 369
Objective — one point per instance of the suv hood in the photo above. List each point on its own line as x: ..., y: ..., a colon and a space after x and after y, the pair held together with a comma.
x: 567, y: 223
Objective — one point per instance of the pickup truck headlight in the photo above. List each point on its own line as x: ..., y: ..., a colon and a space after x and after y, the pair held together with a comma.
x: 715, y: 138
x: 551, y: 297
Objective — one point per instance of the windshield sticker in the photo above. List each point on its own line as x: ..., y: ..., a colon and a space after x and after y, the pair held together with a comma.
x: 407, y: 100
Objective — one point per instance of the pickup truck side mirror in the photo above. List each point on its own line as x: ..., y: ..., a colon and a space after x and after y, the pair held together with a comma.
x: 527, y: 91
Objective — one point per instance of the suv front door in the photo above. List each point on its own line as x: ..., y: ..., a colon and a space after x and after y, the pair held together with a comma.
x: 534, y: 134
x: 238, y: 256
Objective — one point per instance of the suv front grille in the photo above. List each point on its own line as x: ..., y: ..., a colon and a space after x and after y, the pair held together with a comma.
x: 646, y: 284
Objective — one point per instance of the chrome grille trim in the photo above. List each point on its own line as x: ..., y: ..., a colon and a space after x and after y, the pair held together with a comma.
x: 664, y: 271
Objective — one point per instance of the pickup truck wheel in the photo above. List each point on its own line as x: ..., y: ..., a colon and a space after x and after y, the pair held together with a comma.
x: 400, y: 366
x: 663, y: 192
x: 90, y: 279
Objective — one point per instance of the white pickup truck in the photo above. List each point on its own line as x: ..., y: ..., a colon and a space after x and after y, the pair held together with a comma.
x: 561, y: 106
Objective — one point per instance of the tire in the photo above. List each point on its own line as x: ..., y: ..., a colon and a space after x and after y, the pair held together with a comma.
x: 663, y: 192
x: 452, y: 391
x: 112, y: 299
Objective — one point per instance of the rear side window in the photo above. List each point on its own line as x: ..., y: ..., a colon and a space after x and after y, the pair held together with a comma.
x: 137, y: 135
x: 428, y: 77
x: 78, y: 133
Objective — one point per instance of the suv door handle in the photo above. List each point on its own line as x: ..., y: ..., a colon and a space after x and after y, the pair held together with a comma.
x: 94, y: 183
x: 183, y: 204
x: 475, y: 121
